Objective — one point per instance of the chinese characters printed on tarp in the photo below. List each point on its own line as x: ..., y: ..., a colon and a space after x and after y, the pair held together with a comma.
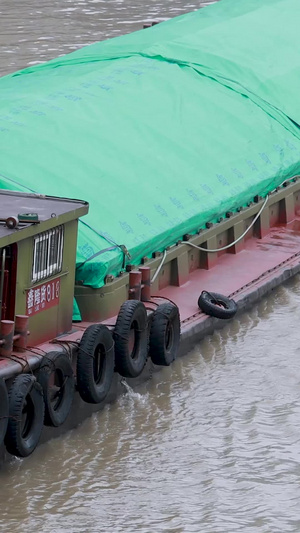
x: 42, y: 297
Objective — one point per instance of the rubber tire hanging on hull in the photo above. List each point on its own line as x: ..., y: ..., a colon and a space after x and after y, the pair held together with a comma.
x: 95, y: 363
x: 3, y: 410
x: 164, y: 334
x: 217, y: 305
x: 131, y: 339
x: 26, y: 415
x: 56, y: 377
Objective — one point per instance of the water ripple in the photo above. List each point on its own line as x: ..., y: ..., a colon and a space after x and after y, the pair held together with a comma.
x: 32, y: 32
x: 210, y: 444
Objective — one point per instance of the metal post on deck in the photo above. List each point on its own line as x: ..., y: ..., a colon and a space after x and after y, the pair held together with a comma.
x: 6, y: 337
x: 21, y: 332
x: 135, y: 282
x: 146, y: 284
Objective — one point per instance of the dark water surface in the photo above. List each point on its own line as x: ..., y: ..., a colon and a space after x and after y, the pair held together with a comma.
x: 211, y: 444
x: 208, y: 445
x: 33, y: 31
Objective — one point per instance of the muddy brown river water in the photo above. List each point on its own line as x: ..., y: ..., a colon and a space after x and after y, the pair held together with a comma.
x: 211, y: 444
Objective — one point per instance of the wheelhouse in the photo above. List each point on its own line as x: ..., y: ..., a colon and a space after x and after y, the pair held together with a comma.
x: 38, y: 237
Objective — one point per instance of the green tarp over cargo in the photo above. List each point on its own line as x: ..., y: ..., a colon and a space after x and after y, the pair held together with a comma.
x: 161, y: 130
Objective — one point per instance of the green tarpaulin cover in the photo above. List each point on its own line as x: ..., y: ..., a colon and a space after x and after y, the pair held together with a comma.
x: 161, y: 130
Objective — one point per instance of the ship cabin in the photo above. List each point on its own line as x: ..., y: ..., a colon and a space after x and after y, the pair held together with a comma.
x: 38, y: 238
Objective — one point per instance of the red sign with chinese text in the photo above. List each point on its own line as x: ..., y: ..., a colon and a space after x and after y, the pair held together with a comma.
x: 42, y: 297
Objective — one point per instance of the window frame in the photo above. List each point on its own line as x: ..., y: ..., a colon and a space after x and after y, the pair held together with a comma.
x: 42, y: 268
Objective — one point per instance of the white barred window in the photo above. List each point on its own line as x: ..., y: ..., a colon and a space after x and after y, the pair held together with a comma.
x: 48, y: 253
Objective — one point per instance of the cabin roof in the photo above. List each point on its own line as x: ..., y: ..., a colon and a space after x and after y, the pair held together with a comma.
x: 49, y: 210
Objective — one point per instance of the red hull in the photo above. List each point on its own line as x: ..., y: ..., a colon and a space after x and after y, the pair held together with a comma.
x: 247, y: 276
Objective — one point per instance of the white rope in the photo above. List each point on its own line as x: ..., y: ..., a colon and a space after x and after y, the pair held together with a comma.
x: 236, y: 240
x: 159, y: 267
x: 212, y: 250
x: 245, y: 232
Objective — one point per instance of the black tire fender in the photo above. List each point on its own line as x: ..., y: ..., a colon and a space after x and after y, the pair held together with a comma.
x: 3, y: 410
x: 26, y: 415
x: 95, y: 363
x: 131, y: 339
x: 217, y: 305
x: 56, y: 378
x: 164, y: 334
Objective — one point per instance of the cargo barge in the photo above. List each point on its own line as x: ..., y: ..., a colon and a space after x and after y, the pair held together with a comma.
x: 188, y: 168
